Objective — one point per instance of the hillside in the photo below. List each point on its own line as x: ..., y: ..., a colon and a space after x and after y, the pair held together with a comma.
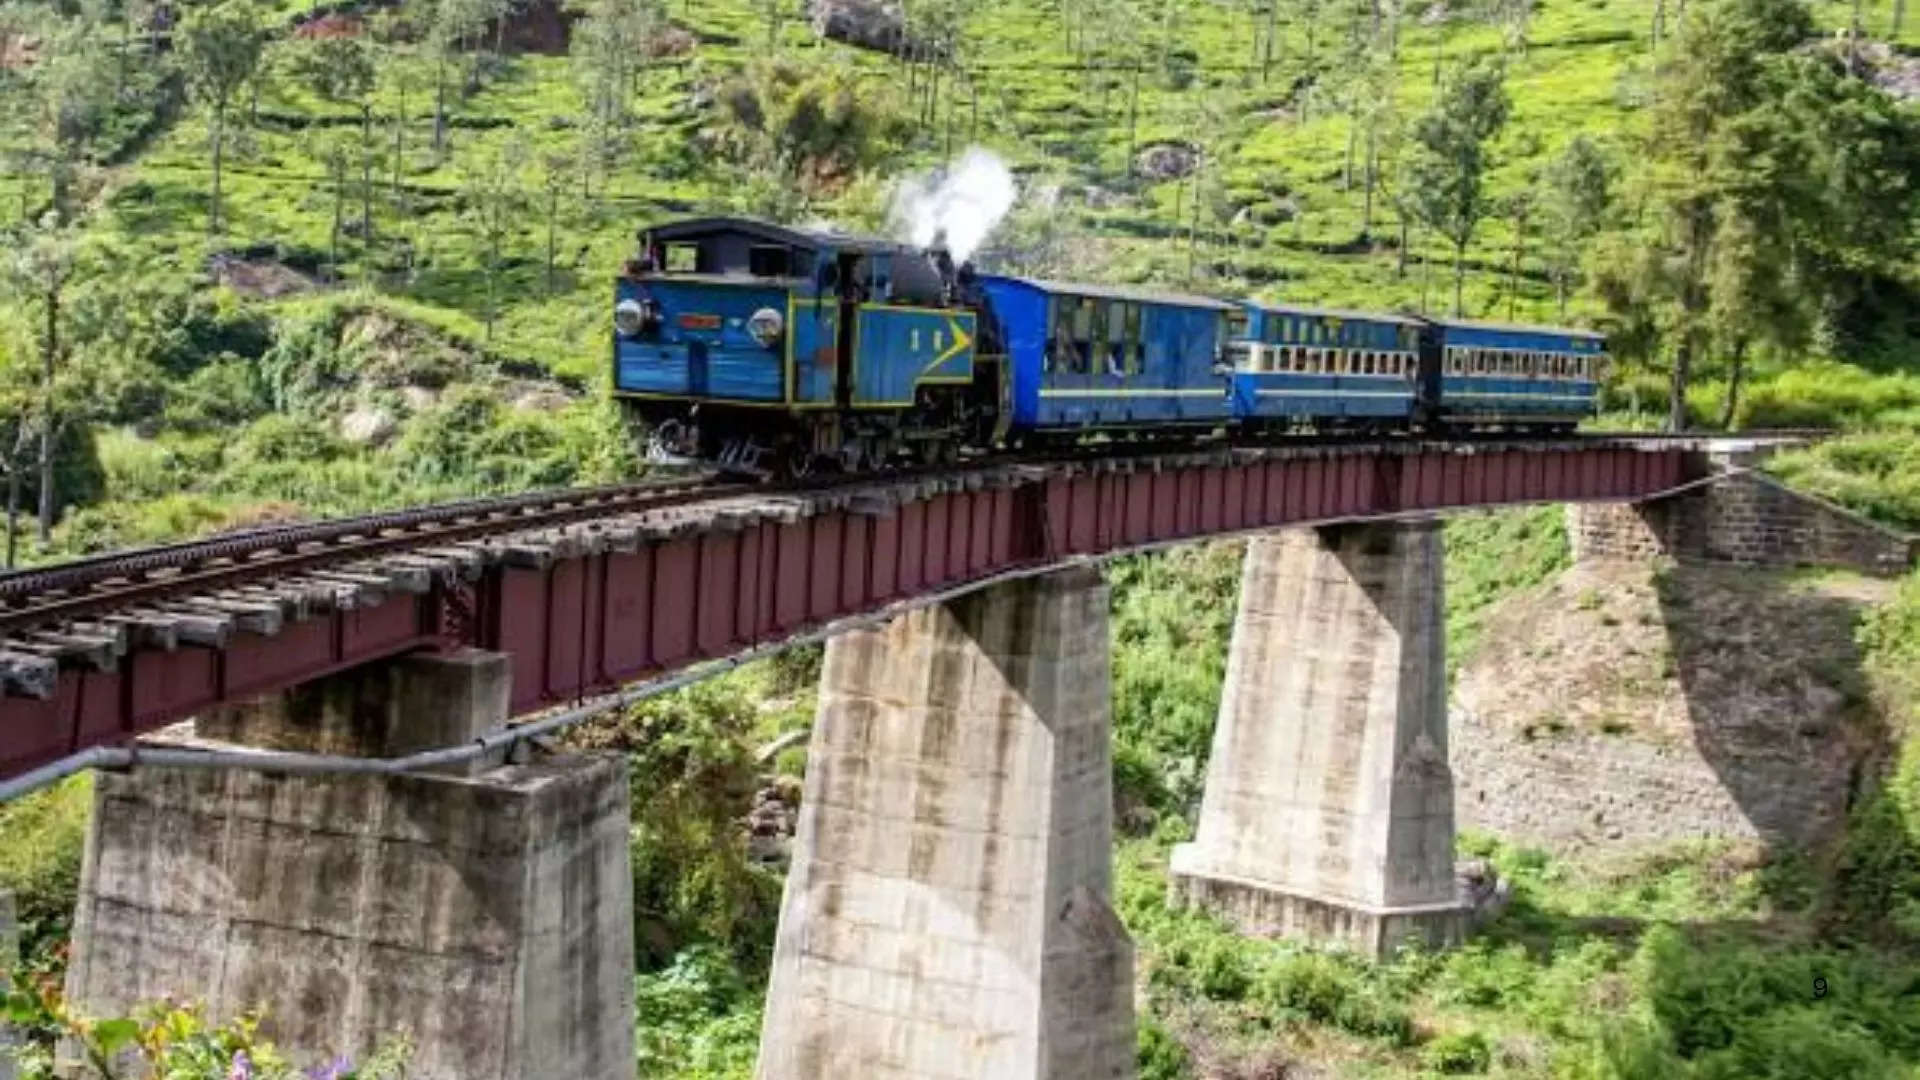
x: 468, y: 187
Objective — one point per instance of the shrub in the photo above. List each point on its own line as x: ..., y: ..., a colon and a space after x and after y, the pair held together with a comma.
x: 1458, y: 1054
x: 1876, y: 474
x: 1223, y: 969
x: 46, y: 833
x: 1160, y: 1056
x: 1825, y: 395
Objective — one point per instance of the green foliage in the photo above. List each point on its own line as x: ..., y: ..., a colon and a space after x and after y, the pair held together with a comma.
x: 46, y: 834
x: 1447, y: 174
x: 1458, y: 1054
x: 1873, y: 474
x: 1172, y: 618
x: 696, y: 1019
x: 1160, y: 1056
x: 693, y: 774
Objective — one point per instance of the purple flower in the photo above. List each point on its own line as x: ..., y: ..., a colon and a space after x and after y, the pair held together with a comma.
x: 332, y: 1070
x: 242, y: 1067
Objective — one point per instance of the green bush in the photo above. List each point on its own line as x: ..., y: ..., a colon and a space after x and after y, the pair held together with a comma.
x: 1458, y: 1054
x: 1160, y: 1056
x: 1224, y: 973
x: 1876, y: 474
x: 219, y: 396
x: 46, y: 834
x: 1825, y: 395
x: 696, y: 1019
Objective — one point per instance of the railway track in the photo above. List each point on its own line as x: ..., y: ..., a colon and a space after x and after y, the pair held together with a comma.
x: 199, y: 592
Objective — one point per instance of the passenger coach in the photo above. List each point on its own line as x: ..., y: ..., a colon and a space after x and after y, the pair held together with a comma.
x: 1516, y: 375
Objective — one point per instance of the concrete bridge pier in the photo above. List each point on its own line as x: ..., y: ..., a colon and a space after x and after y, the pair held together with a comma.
x: 1328, y: 811
x: 487, y: 914
x: 946, y: 915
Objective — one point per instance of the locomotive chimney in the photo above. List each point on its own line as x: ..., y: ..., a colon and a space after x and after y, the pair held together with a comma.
x: 943, y: 262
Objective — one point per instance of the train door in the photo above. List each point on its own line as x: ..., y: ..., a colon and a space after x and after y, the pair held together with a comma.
x: 1427, y: 389
x: 858, y: 275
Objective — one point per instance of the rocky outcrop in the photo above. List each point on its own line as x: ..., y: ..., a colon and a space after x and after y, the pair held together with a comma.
x: 1625, y: 706
x: 1166, y: 161
x: 870, y: 24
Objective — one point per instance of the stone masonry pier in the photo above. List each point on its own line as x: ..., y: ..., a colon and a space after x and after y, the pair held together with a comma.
x: 487, y: 915
x: 1328, y: 811
x: 946, y: 915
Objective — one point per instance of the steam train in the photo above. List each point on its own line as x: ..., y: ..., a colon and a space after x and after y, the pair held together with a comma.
x: 780, y: 351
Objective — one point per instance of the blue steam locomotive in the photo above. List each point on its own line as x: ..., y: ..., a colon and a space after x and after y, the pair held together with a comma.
x: 778, y: 350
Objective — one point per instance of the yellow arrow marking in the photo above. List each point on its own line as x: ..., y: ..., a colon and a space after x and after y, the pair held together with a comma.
x: 960, y: 343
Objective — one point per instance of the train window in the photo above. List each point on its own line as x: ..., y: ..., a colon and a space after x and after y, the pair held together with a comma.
x: 1087, y: 326
x: 766, y: 260
x: 1115, y: 353
x: 1060, y: 340
x: 683, y: 258
x: 1236, y: 324
x: 1136, y: 355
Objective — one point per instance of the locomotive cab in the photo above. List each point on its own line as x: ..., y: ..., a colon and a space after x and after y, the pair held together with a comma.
x: 763, y: 347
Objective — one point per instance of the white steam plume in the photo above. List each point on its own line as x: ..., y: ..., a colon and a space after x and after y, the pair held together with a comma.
x: 962, y: 202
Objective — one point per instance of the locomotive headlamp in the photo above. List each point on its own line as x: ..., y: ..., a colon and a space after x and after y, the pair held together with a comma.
x: 630, y: 317
x: 766, y: 326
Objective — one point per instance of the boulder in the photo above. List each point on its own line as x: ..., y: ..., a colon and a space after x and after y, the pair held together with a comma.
x: 1166, y: 161
x: 869, y: 24
x: 368, y: 425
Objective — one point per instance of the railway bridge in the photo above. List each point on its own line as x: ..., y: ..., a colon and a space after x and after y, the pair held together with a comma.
x: 366, y: 829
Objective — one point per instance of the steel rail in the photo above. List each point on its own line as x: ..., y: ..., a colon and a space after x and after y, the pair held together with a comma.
x: 120, y: 580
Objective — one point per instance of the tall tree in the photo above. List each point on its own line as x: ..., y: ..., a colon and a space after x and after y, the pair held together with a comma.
x: 49, y: 269
x: 557, y: 168
x: 71, y: 97
x: 220, y: 48
x: 1575, y: 191
x: 1447, y: 173
x: 492, y: 198
x: 1713, y: 134
x: 342, y: 70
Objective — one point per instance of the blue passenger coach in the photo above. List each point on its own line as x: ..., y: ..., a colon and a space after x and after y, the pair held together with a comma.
x: 1096, y: 356
x: 1304, y: 364
x: 1492, y: 374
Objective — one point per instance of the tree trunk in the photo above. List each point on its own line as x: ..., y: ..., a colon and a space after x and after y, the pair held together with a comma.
x: 1734, y: 380
x: 1400, y: 265
x: 1899, y: 17
x: 1659, y: 21
x: 399, y: 151
x: 1372, y: 175
x: 1513, y: 271
x: 1353, y: 143
x: 339, y: 218
x: 1193, y: 229
x: 1266, y: 56
x: 13, y: 512
x: 553, y: 216
x: 1677, y: 389
x: 1459, y: 276
x: 366, y: 172
x: 1560, y: 290
x: 440, y: 105
x: 1133, y: 118
x: 214, y: 220
x: 47, y: 359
